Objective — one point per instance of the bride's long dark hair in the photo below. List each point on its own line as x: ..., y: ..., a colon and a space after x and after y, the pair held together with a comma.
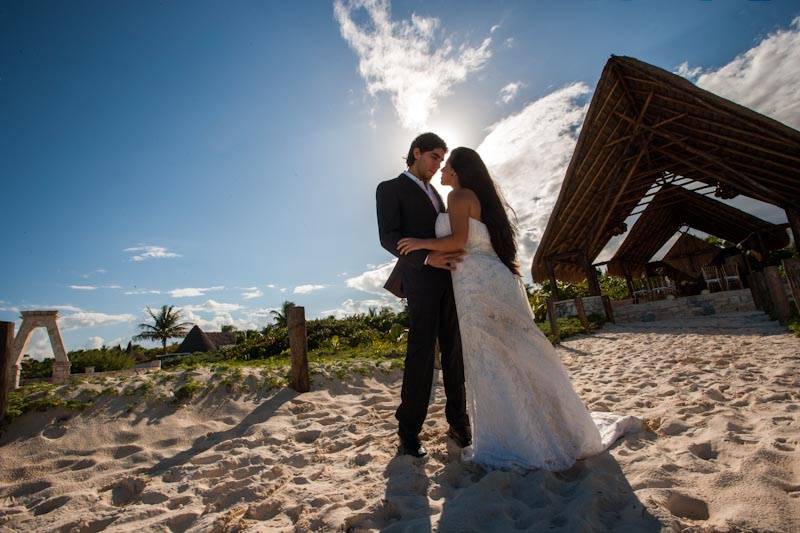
x: 473, y: 175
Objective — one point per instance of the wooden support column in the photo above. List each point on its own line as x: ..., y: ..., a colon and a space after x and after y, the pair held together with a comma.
x: 608, y: 308
x: 793, y: 216
x: 628, y: 279
x: 755, y: 292
x: 792, y: 268
x: 6, y: 349
x: 582, y: 314
x: 298, y: 342
x: 591, y: 276
x: 551, y: 273
x: 551, y: 314
x: 780, y: 301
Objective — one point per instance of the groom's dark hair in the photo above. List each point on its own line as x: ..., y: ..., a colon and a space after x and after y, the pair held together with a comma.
x: 425, y: 142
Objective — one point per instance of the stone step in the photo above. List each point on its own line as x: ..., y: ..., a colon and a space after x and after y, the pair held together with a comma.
x: 748, y: 320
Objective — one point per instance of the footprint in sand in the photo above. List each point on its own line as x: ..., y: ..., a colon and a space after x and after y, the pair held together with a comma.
x: 84, y: 464
x: 54, y: 432
x: 26, y: 489
x: 125, y: 491
x: 180, y: 522
x: 703, y: 450
x: 684, y: 506
x: 126, y: 450
x: 50, y: 505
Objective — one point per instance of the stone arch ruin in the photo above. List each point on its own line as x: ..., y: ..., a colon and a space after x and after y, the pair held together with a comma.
x: 30, y: 321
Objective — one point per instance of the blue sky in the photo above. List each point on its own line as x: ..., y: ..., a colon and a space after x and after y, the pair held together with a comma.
x: 223, y: 157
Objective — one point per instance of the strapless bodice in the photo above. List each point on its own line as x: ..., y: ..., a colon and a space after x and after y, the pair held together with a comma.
x: 478, y: 239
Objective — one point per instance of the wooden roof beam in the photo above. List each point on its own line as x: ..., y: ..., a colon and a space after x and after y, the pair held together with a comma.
x: 764, y: 193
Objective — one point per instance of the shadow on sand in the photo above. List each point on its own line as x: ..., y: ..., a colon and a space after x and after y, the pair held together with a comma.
x: 259, y: 415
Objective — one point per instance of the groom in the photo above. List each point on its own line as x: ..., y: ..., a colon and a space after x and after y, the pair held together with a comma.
x: 407, y: 207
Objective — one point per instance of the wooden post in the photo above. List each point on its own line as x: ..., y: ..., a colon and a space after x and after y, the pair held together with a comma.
x: 608, y: 308
x: 763, y: 292
x: 582, y: 314
x: 551, y: 314
x: 6, y: 349
x: 298, y: 342
x: 628, y: 279
x: 591, y: 275
x: 780, y: 302
x: 792, y: 268
x: 793, y: 216
x: 755, y: 291
x: 551, y: 273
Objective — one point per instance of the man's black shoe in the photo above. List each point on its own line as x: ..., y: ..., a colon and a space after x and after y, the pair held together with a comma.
x: 462, y: 437
x: 413, y: 447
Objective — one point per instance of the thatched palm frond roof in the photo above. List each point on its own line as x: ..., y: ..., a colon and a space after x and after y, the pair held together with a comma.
x: 673, y: 207
x: 645, y: 127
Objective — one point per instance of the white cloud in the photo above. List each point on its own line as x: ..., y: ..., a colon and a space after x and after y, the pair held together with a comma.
x: 509, y: 92
x: 142, y: 253
x: 94, y: 343
x: 112, y: 286
x: 372, y: 280
x: 509, y: 42
x: 255, y: 293
x: 765, y: 77
x: 305, y: 289
x: 86, y: 319
x: 271, y: 286
x: 355, y: 307
x: 40, y: 347
x: 406, y: 59
x: 528, y: 153
x: 688, y: 72
x: 189, y: 292
x: 83, y: 287
x: 494, y: 28
x: 211, y: 306
x: 283, y: 289
x: 143, y: 291
x: 93, y: 272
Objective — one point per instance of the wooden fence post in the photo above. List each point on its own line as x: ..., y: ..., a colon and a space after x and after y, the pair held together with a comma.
x: 607, y: 307
x: 298, y: 342
x: 780, y: 302
x: 582, y: 314
x: 792, y: 268
x: 6, y: 348
x: 755, y: 292
x: 551, y: 314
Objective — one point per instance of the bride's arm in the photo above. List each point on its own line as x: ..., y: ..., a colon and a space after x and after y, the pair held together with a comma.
x: 458, y: 210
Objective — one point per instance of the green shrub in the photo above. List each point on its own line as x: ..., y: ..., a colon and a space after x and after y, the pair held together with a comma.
x: 187, y: 390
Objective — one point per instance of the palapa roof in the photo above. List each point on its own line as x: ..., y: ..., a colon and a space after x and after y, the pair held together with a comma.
x: 644, y: 127
x: 690, y: 253
x: 673, y: 207
x: 199, y: 341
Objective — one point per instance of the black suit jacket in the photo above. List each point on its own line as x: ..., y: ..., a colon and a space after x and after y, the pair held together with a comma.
x: 404, y: 210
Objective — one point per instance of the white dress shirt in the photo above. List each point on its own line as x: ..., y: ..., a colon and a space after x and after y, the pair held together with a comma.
x: 428, y: 188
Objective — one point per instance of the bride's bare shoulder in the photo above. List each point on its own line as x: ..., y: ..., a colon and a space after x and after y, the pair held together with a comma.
x: 463, y: 195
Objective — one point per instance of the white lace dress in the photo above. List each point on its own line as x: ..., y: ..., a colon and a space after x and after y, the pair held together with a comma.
x: 524, y: 412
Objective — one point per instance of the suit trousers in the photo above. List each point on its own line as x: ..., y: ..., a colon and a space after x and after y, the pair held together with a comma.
x: 432, y: 315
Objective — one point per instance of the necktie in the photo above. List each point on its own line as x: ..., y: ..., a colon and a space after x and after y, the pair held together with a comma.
x: 429, y: 190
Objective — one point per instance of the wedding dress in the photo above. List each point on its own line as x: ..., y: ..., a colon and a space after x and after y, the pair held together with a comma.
x: 523, y: 409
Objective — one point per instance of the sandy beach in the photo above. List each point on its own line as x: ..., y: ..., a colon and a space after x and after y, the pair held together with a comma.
x: 720, y: 452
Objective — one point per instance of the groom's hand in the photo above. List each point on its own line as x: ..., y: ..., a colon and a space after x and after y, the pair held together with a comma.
x: 445, y: 260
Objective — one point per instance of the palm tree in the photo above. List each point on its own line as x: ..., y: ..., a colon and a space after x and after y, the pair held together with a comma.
x: 166, y: 325
x: 283, y: 315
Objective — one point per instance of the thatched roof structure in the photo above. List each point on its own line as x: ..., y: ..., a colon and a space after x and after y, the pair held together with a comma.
x: 199, y: 341
x: 689, y: 254
x: 673, y: 207
x: 644, y: 127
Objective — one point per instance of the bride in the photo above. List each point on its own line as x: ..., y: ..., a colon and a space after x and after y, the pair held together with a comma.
x: 524, y: 411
